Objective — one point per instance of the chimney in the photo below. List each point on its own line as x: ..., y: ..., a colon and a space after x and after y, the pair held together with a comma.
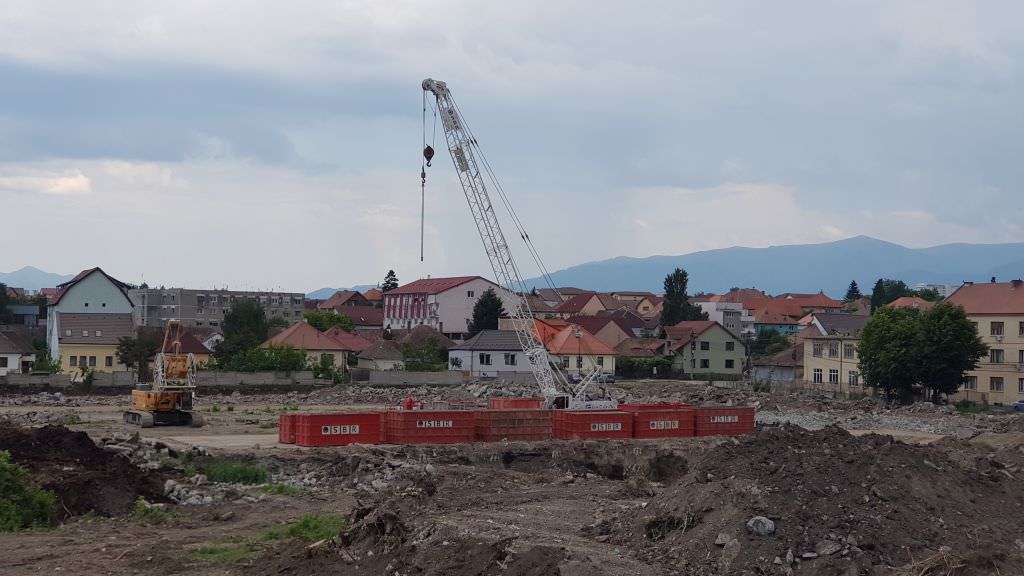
x: 993, y: 281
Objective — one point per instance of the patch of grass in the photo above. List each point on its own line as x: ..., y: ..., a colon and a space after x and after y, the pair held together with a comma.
x: 971, y: 408
x: 312, y: 527
x: 146, y: 512
x: 283, y: 490
x: 23, y: 505
x: 72, y: 419
x: 226, y: 554
x: 215, y: 408
x: 236, y: 472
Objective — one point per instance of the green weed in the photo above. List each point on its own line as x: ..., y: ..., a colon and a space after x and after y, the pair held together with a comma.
x: 23, y: 505
x: 146, y: 512
x: 236, y: 472
x: 227, y: 554
x: 312, y: 527
x: 283, y: 490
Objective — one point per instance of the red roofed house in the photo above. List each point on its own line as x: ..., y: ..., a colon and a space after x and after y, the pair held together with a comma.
x: 586, y: 304
x: 343, y: 298
x: 605, y: 328
x: 912, y: 302
x: 997, y: 310
x: 304, y: 336
x: 444, y: 304
x: 704, y: 347
x: 580, y: 351
x: 374, y: 296
x: 351, y: 341
x: 363, y: 317
x: 814, y: 302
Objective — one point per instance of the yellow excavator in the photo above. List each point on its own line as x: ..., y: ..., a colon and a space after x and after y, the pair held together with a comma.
x: 169, y: 400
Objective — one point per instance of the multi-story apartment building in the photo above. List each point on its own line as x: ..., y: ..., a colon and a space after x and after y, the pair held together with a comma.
x: 997, y: 311
x: 830, y: 350
x: 155, y: 306
x: 444, y: 304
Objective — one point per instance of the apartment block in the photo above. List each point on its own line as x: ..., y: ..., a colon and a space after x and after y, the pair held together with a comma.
x: 997, y: 311
x: 155, y: 306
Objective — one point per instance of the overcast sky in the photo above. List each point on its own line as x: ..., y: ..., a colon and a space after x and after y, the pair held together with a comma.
x: 270, y: 145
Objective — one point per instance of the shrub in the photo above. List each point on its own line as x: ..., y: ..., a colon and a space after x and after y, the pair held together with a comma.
x: 236, y: 472
x: 22, y: 504
x: 311, y: 527
x: 146, y: 512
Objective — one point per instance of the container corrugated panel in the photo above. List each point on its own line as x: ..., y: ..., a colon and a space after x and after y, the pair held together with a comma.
x: 515, y: 403
x: 589, y: 424
x: 497, y: 425
x: 338, y: 429
x: 723, y: 421
x: 430, y: 426
x: 655, y: 406
x: 675, y: 423
x: 286, y: 428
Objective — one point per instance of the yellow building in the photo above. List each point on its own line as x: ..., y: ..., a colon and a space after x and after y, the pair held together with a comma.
x: 830, y: 350
x: 997, y: 311
x: 90, y: 341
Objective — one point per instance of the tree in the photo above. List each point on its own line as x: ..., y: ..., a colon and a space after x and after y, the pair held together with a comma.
x: 677, y: 305
x: 853, y: 292
x: 950, y: 346
x: 390, y: 282
x: 929, y: 294
x: 245, y: 328
x: 768, y: 342
x: 135, y: 352
x: 878, y: 295
x: 324, y: 320
x: 5, y: 317
x: 278, y: 322
x: 486, y: 311
x: 886, y: 290
x: 425, y: 356
x: 889, y: 352
x: 277, y: 358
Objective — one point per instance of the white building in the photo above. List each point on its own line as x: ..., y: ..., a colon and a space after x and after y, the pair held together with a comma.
x: 731, y: 316
x: 92, y: 291
x: 491, y: 353
x: 444, y: 304
x: 944, y: 290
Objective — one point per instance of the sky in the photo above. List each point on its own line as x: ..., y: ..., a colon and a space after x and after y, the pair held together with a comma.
x: 277, y: 146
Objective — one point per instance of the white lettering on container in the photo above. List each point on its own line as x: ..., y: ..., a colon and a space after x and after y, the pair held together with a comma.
x: 605, y: 426
x: 434, y: 424
x: 333, y: 430
x: 725, y: 419
x: 664, y: 424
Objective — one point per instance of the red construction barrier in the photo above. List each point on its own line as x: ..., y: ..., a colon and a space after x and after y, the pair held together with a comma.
x: 501, y: 403
x: 676, y: 423
x: 724, y: 421
x: 591, y: 424
x: 337, y: 429
x: 429, y: 426
x: 498, y: 425
x: 286, y: 429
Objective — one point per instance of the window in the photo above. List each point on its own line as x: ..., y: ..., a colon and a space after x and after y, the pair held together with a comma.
x: 3, y: 361
x: 82, y: 360
x: 67, y: 331
x: 996, y: 329
x: 485, y: 359
x: 108, y: 361
x: 92, y: 361
x: 579, y: 362
x: 818, y: 347
x: 104, y: 305
x: 470, y: 294
x: 1020, y: 385
x: 848, y: 350
x: 730, y: 363
x: 693, y: 363
x: 971, y: 383
x: 510, y: 359
x: 565, y: 361
x: 833, y: 349
x: 833, y: 376
x: 85, y: 333
x: 600, y: 361
x: 975, y: 324
x: 73, y: 361
x: 704, y: 345
x: 817, y: 376
x: 1020, y: 356
x: 730, y: 346
x: 995, y: 384
x: 86, y: 304
x: 1020, y: 329
x: 98, y: 333
x: 853, y: 378
x: 995, y: 356
x: 705, y: 363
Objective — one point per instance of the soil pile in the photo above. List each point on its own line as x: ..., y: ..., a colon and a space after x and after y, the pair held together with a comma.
x: 837, y: 504
x: 83, y: 476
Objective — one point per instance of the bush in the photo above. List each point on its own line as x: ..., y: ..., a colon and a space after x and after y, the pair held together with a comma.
x: 22, y: 504
x: 236, y: 472
x: 311, y: 527
x: 151, y: 513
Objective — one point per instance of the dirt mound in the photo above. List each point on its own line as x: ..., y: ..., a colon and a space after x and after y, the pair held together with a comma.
x: 82, y: 475
x: 840, y: 504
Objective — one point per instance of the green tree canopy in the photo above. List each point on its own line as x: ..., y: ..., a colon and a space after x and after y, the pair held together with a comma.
x: 677, y: 306
x: 5, y: 316
x: 135, y: 352
x: 949, y: 347
x: 390, y: 282
x: 276, y: 358
x: 887, y: 290
x: 853, y: 292
x: 324, y: 320
x: 768, y: 342
x: 245, y: 327
x: 486, y: 311
x: 426, y: 355
x: 889, y: 353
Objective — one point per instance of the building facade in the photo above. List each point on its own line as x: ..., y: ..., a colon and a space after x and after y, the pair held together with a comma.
x: 92, y: 291
x: 704, y: 347
x: 997, y: 311
x: 155, y: 306
x: 830, y: 350
x: 444, y: 304
x: 489, y: 354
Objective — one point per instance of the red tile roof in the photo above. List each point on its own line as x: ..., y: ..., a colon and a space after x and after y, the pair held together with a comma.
x: 819, y: 300
x: 348, y: 340
x: 641, y: 347
x: 775, y: 306
x: 576, y: 341
x: 190, y: 345
x: 342, y: 298
x: 434, y: 285
x: 768, y: 316
x: 544, y: 330
x: 304, y: 336
x: 993, y: 298
x: 688, y: 329
x: 363, y: 315
x: 914, y: 302
x: 374, y: 295
x: 576, y: 304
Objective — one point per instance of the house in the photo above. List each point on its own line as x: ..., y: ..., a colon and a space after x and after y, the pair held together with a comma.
x: 374, y: 297
x: 830, y: 349
x: 16, y: 354
x: 643, y: 348
x: 304, y: 336
x: 577, y: 350
x: 607, y: 329
x: 813, y: 302
x: 91, y: 291
x: 997, y: 310
x: 489, y: 354
x: 351, y: 341
x: 730, y: 315
x: 381, y: 355
x: 586, y: 304
x: 912, y: 303
x: 444, y: 304
x: 363, y: 317
x: 632, y: 298
x: 343, y: 298
x: 784, y: 366
x: 704, y: 347
x: 190, y: 344
x: 767, y: 319
x: 555, y: 296
x: 89, y: 340
x: 24, y: 314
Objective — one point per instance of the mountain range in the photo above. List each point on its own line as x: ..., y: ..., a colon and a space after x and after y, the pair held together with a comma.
x: 827, y: 267
x: 31, y: 278
x: 325, y: 293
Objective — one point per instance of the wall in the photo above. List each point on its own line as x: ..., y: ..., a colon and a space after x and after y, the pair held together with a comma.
x: 716, y: 355
x: 13, y: 364
x: 455, y: 309
x: 392, y: 377
x: 100, y: 351
x: 1011, y: 370
x: 92, y: 294
x: 471, y: 363
x: 842, y: 363
x: 589, y: 363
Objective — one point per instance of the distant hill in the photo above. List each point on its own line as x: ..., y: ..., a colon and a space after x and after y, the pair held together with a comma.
x: 802, y: 268
x: 31, y: 278
x: 325, y: 293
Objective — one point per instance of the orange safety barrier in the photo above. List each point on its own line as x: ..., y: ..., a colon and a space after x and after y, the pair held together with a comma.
x: 724, y: 421
x: 502, y: 403
x: 498, y: 425
x: 286, y: 428
x: 429, y: 426
x: 591, y: 425
x: 338, y: 429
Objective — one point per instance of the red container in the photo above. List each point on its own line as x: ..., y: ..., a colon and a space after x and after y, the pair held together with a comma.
x: 338, y: 429
x: 592, y: 424
x: 723, y: 421
x: 674, y: 423
x: 512, y: 425
x: 286, y: 428
x: 656, y: 406
x: 429, y: 426
x: 501, y: 403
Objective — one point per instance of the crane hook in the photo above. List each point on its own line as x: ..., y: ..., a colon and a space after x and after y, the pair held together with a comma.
x: 428, y: 153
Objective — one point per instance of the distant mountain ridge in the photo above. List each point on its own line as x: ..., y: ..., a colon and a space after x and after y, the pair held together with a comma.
x: 827, y: 267
x: 325, y: 293
x: 32, y: 278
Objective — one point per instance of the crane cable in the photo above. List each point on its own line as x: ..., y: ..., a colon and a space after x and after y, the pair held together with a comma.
x: 428, y: 154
